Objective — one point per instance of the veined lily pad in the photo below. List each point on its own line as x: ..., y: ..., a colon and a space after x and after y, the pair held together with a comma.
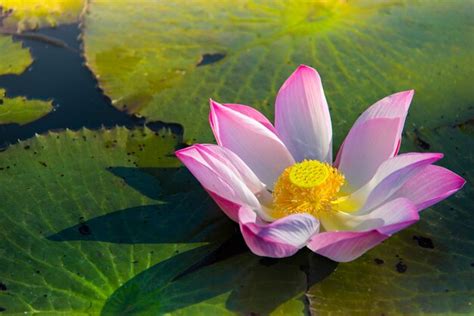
x: 426, y: 269
x: 14, y: 59
x: 22, y: 111
x: 21, y: 15
x: 92, y: 227
x: 164, y: 60
x: 79, y: 219
x: 242, y: 285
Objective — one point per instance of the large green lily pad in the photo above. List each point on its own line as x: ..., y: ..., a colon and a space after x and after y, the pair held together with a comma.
x: 54, y: 259
x: 22, y: 111
x: 32, y: 14
x: 242, y: 285
x: 105, y: 222
x: 164, y: 60
x: 426, y: 269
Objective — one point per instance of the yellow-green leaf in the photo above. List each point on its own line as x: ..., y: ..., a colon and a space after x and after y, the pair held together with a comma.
x: 21, y: 111
x: 21, y: 15
x: 14, y: 59
x: 164, y: 60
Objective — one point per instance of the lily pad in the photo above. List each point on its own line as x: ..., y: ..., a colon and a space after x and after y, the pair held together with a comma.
x: 242, y: 285
x: 18, y: 16
x: 15, y: 59
x: 164, y: 60
x: 21, y: 111
x: 80, y: 219
x: 426, y: 269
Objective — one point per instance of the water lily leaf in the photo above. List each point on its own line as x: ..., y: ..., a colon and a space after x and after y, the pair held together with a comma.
x: 426, y: 269
x: 242, y: 285
x: 80, y: 218
x: 164, y: 60
x: 32, y: 14
x: 15, y: 59
x: 22, y: 111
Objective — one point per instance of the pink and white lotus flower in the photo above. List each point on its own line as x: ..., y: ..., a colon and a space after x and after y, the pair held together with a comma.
x: 280, y: 184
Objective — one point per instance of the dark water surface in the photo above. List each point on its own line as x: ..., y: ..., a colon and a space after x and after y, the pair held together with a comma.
x: 59, y: 74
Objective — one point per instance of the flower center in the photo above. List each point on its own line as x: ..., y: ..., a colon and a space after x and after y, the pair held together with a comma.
x: 309, y: 186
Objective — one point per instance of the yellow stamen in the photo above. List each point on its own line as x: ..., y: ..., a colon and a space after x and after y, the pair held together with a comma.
x: 310, y: 187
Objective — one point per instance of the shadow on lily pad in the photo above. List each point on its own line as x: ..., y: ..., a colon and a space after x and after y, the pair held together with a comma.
x: 190, y: 216
x: 195, y: 281
x: 146, y: 224
x: 245, y: 284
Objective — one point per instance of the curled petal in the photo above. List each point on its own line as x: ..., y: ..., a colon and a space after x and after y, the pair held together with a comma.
x: 430, y: 185
x: 386, y: 218
x: 345, y: 246
x: 253, y: 141
x: 390, y: 177
x: 223, y: 173
x: 252, y: 113
x: 229, y: 208
x: 281, y: 238
x: 302, y: 116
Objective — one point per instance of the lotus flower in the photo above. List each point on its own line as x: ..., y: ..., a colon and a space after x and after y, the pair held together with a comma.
x: 280, y: 184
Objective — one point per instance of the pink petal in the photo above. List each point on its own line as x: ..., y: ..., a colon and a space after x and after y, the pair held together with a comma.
x: 348, y: 245
x: 390, y: 177
x: 281, y: 238
x: 229, y: 208
x: 252, y: 113
x: 394, y: 106
x: 386, y: 218
x: 252, y: 141
x: 392, y: 174
x: 302, y: 116
x: 223, y: 173
x: 430, y: 185
x: 345, y: 246
x: 366, y: 147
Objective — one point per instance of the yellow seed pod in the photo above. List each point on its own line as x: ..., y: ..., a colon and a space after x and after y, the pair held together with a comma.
x: 309, y: 173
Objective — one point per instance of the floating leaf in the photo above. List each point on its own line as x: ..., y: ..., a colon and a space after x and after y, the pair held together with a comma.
x: 21, y: 15
x: 15, y: 59
x: 79, y: 219
x: 426, y: 269
x: 242, y: 285
x: 164, y: 60
x: 105, y: 222
x: 22, y: 111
